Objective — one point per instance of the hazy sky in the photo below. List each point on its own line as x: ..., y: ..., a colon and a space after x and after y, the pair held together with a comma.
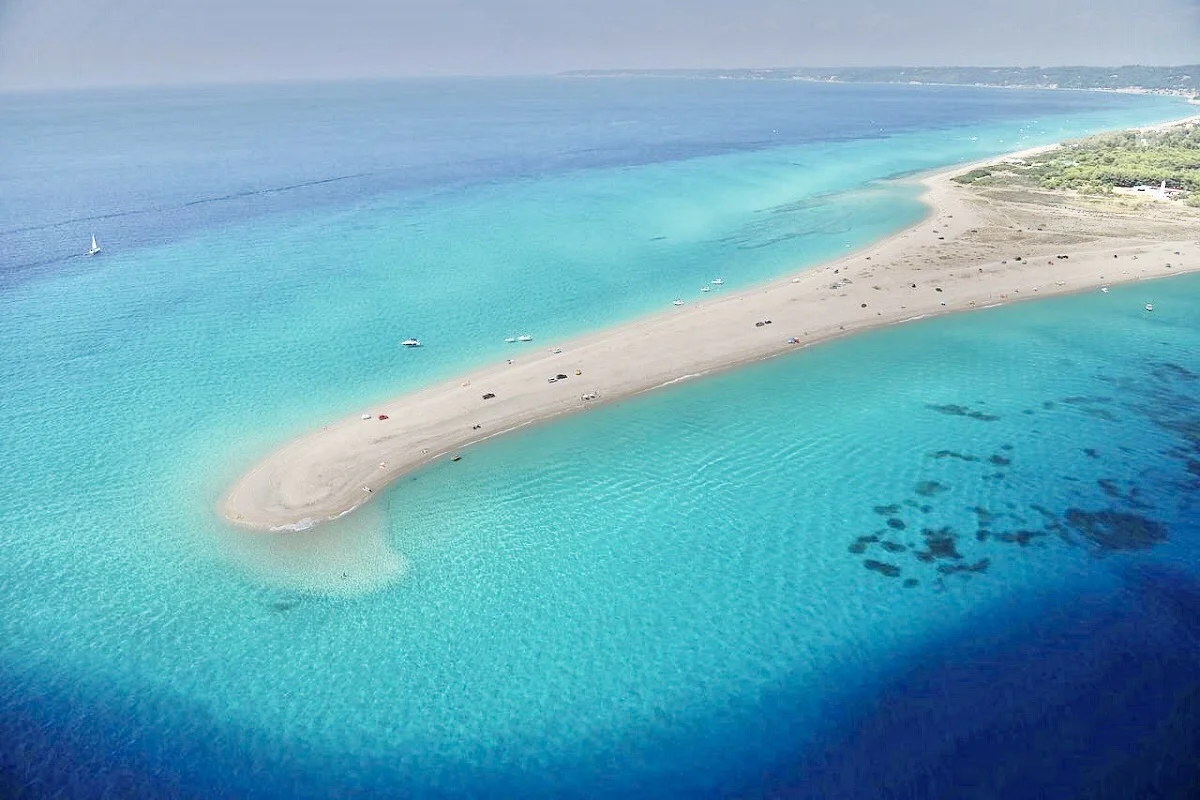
x: 89, y: 42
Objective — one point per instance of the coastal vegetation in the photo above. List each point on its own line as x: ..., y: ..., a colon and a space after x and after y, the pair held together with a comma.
x: 1102, y: 164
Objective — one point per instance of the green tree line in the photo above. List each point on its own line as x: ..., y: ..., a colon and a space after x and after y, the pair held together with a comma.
x: 1100, y: 163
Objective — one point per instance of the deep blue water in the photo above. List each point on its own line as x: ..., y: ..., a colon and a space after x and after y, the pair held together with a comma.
x: 953, y: 559
x: 150, y: 166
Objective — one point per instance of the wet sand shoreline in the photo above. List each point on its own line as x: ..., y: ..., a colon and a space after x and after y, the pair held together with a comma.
x: 972, y: 250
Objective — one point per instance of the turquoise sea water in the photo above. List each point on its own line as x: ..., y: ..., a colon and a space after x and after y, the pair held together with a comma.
x: 707, y: 590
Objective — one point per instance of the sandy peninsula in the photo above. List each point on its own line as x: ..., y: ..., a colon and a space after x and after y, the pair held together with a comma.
x: 976, y: 248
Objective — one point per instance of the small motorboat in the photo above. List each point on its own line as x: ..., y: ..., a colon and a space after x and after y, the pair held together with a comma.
x: 1104, y: 289
x: 411, y: 343
x: 717, y: 282
x: 677, y: 302
x: 1149, y: 307
x: 510, y: 339
x: 706, y: 288
x: 524, y: 337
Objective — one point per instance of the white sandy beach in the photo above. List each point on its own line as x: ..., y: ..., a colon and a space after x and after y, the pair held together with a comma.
x: 962, y: 256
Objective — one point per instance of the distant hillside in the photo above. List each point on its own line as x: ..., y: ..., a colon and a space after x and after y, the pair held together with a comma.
x: 1180, y: 80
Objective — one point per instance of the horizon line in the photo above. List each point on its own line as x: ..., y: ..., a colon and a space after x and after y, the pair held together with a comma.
x: 367, y: 78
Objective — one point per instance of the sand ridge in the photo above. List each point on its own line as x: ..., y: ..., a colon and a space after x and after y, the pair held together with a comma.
x: 974, y: 249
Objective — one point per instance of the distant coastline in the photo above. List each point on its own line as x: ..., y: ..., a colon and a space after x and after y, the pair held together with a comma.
x: 1181, y: 81
x: 972, y: 250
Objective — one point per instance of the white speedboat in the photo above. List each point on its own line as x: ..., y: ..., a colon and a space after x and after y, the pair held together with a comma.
x: 677, y: 302
x: 706, y: 288
x: 411, y: 343
x: 717, y: 281
x: 524, y: 337
x: 95, y: 248
x: 510, y: 339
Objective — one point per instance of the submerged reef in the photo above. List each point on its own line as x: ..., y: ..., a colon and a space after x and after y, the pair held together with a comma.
x: 1118, y: 516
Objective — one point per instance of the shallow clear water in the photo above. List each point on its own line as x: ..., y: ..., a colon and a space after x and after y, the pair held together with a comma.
x: 670, y: 595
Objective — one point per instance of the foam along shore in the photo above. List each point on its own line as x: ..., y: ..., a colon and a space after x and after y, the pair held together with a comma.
x: 974, y: 249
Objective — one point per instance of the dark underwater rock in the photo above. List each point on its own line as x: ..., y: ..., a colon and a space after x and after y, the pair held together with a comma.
x: 1020, y: 537
x: 860, y: 544
x: 986, y: 517
x: 1116, y: 530
x: 1167, y: 369
x: 955, y: 410
x: 929, y: 488
x: 1111, y: 489
x: 952, y: 569
x: 940, y: 454
x: 890, y: 570
x: 940, y: 544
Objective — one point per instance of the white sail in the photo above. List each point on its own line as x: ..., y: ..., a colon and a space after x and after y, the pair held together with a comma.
x: 95, y: 247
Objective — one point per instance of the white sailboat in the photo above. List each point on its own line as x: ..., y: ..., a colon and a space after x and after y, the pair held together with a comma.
x: 95, y: 248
